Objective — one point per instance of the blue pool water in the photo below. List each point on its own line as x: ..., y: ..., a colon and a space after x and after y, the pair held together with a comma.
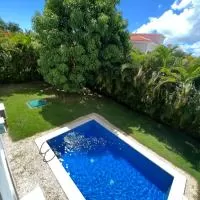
x: 106, y: 168
x: 37, y: 103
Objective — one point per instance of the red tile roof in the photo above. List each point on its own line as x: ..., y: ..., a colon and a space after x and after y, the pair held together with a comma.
x: 156, y: 38
x: 139, y: 38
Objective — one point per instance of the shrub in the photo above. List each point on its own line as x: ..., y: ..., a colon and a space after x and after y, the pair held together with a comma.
x: 18, y: 59
x: 157, y: 88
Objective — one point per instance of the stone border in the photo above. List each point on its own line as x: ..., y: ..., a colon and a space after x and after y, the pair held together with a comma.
x: 69, y: 187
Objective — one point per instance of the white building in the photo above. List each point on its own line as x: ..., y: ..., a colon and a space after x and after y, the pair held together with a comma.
x: 146, y: 42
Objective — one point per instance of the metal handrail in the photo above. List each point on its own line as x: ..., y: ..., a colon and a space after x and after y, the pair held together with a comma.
x: 44, y: 157
x: 44, y: 153
x: 40, y: 150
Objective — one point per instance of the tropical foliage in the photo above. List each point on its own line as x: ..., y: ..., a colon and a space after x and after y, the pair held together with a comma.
x: 162, y: 84
x: 85, y: 43
x: 77, y: 37
x: 18, y: 58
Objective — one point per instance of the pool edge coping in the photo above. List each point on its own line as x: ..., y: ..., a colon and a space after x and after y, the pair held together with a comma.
x: 70, y: 188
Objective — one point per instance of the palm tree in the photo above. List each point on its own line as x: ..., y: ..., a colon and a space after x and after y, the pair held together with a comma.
x: 166, y: 55
x: 178, y: 80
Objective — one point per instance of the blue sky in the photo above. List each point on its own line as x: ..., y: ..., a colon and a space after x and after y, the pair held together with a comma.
x: 178, y: 20
x: 136, y: 12
x: 20, y: 11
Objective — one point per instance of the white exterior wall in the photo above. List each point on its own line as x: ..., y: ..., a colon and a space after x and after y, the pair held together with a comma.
x: 151, y: 46
x: 144, y: 46
x: 6, y: 187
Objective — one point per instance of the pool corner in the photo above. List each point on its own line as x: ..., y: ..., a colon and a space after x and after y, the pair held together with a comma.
x: 69, y: 187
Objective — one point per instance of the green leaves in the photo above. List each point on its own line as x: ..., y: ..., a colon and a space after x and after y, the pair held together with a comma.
x: 165, y: 93
x: 78, y: 37
x: 18, y: 59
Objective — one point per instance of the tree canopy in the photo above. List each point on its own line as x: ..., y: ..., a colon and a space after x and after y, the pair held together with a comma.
x: 10, y: 26
x: 78, y: 36
x: 18, y: 58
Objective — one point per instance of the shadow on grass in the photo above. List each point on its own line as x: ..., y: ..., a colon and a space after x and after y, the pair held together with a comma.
x: 64, y: 108
x: 69, y: 107
x: 7, y: 90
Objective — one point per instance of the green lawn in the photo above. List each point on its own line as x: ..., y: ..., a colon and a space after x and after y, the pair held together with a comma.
x: 23, y: 122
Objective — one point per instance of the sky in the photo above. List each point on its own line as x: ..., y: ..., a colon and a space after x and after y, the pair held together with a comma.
x: 177, y: 20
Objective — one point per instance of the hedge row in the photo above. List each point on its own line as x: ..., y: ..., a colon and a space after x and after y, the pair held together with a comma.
x: 176, y: 104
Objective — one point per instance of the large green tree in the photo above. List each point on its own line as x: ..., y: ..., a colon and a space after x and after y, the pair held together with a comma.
x: 76, y: 37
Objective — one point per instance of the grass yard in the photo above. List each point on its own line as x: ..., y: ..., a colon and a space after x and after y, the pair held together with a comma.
x: 23, y: 122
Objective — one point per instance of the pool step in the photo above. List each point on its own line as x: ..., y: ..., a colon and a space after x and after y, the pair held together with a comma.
x: 35, y: 194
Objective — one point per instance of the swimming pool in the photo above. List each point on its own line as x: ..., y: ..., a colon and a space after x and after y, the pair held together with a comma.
x: 103, y: 165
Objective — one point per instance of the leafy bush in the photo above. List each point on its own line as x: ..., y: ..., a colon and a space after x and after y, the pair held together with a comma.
x: 18, y: 58
x: 154, y: 84
x: 77, y: 37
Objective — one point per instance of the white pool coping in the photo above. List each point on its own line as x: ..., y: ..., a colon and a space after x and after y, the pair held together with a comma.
x: 70, y: 188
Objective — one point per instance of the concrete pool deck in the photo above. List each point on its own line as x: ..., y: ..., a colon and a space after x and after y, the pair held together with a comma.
x: 29, y: 170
